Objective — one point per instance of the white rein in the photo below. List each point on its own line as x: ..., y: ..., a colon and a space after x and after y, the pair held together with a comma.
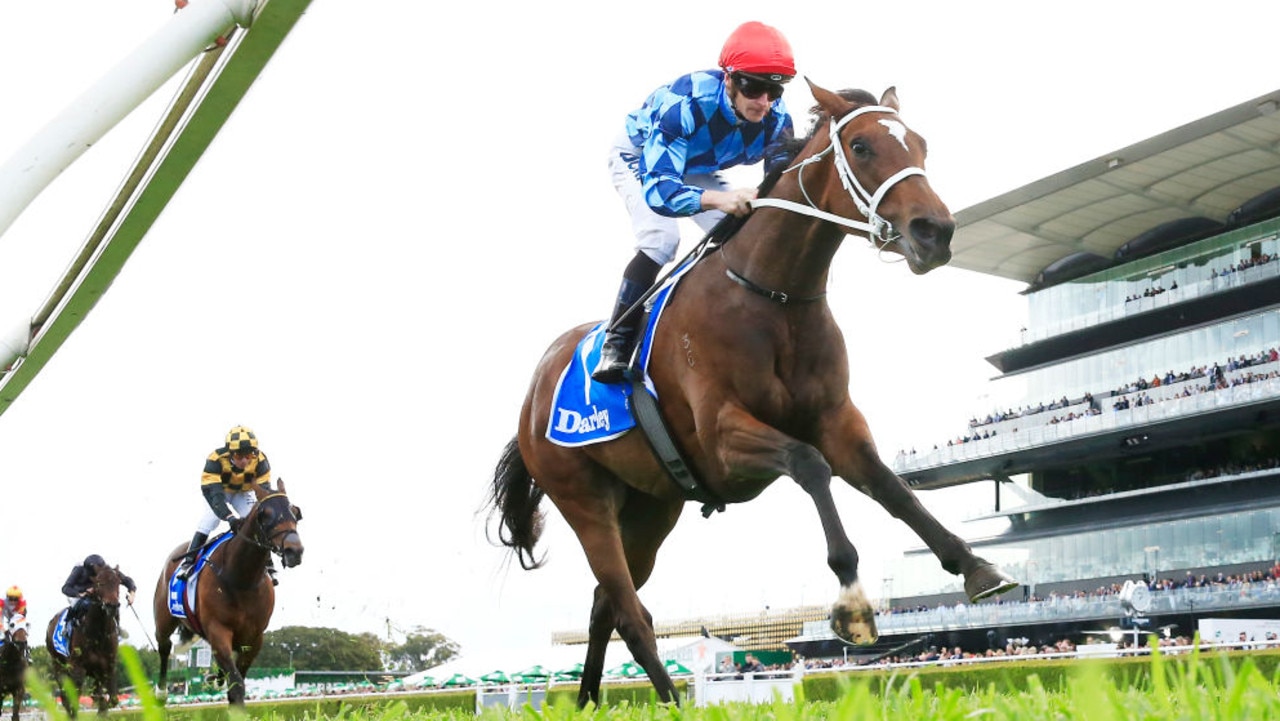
x: 878, y: 230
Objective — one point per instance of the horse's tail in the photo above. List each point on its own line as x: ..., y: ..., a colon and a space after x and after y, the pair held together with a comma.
x: 516, y: 499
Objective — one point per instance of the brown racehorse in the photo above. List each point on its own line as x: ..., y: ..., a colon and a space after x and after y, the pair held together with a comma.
x: 13, y: 663
x: 234, y: 594
x: 752, y: 379
x: 94, y: 641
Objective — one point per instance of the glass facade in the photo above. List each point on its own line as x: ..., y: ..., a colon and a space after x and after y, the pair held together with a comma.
x: 1154, y: 548
x: 1104, y: 372
x: 1215, y: 264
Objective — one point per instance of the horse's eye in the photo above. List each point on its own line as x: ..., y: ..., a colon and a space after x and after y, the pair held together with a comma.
x: 860, y: 149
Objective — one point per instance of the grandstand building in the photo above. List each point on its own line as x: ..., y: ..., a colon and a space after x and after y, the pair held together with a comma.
x: 1135, y: 427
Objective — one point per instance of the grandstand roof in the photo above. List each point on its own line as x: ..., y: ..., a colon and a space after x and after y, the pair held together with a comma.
x: 1204, y: 169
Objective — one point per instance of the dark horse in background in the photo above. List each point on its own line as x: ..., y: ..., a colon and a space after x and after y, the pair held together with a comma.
x: 13, y: 663
x: 753, y: 385
x: 234, y: 595
x: 94, y: 641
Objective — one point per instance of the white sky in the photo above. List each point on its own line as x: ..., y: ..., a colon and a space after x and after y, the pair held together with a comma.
x: 412, y: 202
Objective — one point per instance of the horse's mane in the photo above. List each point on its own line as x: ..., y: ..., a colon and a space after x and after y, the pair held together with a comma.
x: 781, y: 156
x: 787, y: 151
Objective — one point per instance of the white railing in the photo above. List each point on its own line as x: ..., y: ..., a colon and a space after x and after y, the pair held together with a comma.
x: 1107, y: 421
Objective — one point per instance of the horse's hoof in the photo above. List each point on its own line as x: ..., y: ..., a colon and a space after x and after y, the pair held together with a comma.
x: 987, y: 580
x: 852, y: 618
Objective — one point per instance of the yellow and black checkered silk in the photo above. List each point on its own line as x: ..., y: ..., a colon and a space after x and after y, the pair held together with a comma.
x: 241, y: 439
x: 219, y: 469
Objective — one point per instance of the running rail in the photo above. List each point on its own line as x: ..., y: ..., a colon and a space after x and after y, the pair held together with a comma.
x: 212, y: 91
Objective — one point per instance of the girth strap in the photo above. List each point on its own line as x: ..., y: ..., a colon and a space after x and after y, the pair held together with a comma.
x: 649, y: 419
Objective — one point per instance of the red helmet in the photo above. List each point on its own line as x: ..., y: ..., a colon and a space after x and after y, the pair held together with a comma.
x: 760, y: 50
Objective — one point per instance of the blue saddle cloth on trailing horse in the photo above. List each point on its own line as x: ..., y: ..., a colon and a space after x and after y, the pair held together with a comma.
x: 182, y: 591
x: 584, y: 411
x: 62, y: 633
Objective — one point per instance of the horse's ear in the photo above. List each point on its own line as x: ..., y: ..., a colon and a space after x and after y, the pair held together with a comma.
x: 280, y: 486
x: 831, y: 103
x: 297, y: 513
x: 890, y: 98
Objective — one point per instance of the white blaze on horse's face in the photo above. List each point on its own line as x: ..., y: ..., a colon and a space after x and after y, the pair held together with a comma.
x: 898, y: 131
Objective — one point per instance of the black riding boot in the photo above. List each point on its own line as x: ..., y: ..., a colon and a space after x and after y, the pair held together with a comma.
x: 77, y: 610
x: 619, y: 341
x: 271, y: 571
x: 189, y: 560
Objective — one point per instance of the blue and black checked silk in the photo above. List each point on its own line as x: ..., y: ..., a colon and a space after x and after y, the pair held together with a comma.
x: 690, y: 127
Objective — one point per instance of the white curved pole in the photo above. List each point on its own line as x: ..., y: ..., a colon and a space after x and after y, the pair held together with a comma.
x: 13, y: 345
x: 35, y: 165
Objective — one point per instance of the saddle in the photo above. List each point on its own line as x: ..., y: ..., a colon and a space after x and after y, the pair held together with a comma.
x: 182, y: 591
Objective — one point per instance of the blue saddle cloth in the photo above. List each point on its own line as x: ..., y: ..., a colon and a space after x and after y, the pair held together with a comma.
x: 62, y: 634
x: 182, y: 594
x: 584, y: 411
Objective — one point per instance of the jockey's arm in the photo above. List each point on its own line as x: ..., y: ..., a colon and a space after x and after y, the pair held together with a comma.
x: 217, y: 500
x: 130, y: 585
x: 733, y: 202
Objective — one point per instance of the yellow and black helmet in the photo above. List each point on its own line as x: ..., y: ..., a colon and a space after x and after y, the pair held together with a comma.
x: 241, y: 439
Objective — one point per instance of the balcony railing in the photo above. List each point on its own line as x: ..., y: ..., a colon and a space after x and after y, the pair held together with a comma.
x: 1181, y: 294
x: 1163, y: 602
x: 1105, y: 422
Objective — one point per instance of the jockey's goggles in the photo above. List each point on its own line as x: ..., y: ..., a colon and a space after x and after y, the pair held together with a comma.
x: 752, y: 87
x: 247, y: 453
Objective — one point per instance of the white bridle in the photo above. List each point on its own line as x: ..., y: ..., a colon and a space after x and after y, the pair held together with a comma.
x: 878, y: 230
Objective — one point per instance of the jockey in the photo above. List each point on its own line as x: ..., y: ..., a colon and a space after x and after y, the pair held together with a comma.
x: 230, y: 473
x: 80, y: 582
x: 13, y: 605
x: 666, y: 162
x: 13, y: 610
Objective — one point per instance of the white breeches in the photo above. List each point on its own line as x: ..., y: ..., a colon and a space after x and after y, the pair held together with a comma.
x: 657, y: 236
x: 240, y: 502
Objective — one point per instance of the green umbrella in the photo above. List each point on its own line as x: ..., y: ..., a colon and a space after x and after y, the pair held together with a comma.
x: 627, y: 670
x: 458, y: 679
x: 573, y: 672
x: 533, y: 674
x: 496, y: 677
x: 426, y: 681
x: 675, y: 668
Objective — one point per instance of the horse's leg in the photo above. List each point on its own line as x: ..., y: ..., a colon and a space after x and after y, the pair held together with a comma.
x: 599, y: 631
x: 220, y: 638
x: 645, y: 523
x: 594, y: 519
x: 847, y: 444
x: 113, y: 686
x: 103, y: 684
x: 244, y: 659
x: 748, y: 448
x: 76, y: 677
x: 166, y: 624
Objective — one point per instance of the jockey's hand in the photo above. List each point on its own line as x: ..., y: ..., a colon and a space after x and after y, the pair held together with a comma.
x: 734, y: 202
x: 131, y: 596
x: 234, y: 522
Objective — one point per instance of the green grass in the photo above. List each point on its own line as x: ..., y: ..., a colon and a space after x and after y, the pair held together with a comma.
x: 1193, y: 687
